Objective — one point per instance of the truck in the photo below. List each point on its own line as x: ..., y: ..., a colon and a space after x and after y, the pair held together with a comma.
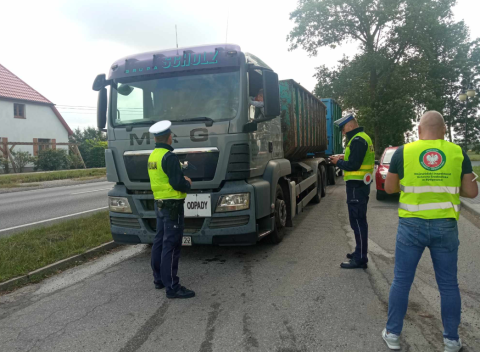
x: 249, y: 164
x: 334, y: 137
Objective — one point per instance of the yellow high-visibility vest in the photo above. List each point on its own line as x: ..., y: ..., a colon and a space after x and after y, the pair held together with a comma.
x: 430, y: 188
x: 158, y: 178
x: 368, y: 163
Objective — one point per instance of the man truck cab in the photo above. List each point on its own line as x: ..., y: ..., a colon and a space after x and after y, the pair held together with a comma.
x: 244, y: 186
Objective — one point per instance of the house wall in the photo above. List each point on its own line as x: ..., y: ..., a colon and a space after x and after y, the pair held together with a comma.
x: 40, y: 122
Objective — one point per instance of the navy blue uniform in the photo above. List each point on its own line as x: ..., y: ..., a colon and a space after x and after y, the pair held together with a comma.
x: 168, y: 240
x: 358, y: 194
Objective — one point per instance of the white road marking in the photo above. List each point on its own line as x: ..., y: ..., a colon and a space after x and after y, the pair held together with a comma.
x: 95, y: 190
x: 57, y: 218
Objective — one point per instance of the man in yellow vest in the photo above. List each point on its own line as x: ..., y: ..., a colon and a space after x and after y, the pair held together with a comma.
x: 358, y: 164
x: 431, y: 174
x: 169, y: 187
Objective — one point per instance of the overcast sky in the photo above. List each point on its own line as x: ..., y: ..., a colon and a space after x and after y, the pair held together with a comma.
x: 59, y: 46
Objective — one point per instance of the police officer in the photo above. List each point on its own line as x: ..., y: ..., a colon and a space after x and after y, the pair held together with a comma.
x: 358, y: 164
x: 169, y: 187
x: 431, y: 174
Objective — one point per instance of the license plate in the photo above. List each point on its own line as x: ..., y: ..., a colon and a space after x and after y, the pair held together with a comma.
x: 198, y: 205
x: 186, y: 241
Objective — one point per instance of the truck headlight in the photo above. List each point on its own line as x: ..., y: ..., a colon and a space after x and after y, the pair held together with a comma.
x: 233, y: 202
x: 119, y: 205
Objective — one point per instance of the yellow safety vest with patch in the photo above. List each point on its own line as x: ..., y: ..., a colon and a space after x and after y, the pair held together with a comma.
x: 368, y: 164
x: 161, y: 188
x: 430, y: 188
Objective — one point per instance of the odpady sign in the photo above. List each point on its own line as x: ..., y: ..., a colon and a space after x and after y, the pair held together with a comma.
x: 197, y: 205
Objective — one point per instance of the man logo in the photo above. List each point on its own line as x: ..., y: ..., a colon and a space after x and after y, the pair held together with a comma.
x: 199, y: 135
x: 432, y: 159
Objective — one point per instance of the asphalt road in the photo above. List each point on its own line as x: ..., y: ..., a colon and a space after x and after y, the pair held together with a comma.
x: 43, y: 206
x: 286, y: 298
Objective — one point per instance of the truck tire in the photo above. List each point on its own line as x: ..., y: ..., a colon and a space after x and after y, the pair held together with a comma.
x: 318, y: 196
x: 332, y: 176
x: 280, y: 217
x: 323, y: 172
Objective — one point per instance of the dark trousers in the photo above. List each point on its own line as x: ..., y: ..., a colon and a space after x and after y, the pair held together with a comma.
x: 357, y: 201
x: 166, y: 249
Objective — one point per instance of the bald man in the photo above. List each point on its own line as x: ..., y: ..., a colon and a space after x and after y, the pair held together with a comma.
x: 431, y: 174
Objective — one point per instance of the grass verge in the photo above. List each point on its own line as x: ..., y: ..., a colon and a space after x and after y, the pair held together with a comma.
x: 476, y: 169
x: 473, y: 156
x: 8, y: 181
x: 24, y: 252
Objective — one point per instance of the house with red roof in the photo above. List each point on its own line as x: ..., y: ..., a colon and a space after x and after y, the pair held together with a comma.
x: 26, y: 116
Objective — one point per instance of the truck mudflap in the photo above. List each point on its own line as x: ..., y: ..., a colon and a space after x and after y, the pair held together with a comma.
x: 229, y: 228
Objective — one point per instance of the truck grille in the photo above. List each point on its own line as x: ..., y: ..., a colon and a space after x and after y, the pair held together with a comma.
x: 191, y: 224
x: 201, y: 166
x: 230, y: 221
x: 131, y: 223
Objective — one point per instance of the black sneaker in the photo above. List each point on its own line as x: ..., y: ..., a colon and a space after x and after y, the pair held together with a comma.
x: 182, y: 292
x: 350, y: 255
x: 353, y: 264
x: 159, y: 285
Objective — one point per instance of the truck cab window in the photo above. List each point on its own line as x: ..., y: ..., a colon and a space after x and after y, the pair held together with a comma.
x: 255, y: 94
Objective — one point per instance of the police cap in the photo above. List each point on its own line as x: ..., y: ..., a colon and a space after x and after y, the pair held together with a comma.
x: 161, y: 128
x: 344, y: 120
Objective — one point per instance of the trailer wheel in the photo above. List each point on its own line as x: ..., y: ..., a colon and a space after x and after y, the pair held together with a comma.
x: 318, y: 196
x: 332, y: 177
x: 324, y: 180
x: 280, y: 217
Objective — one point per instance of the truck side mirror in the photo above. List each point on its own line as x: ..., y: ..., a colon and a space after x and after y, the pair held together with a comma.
x: 271, y: 94
x: 100, y: 82
x: 102, y: 109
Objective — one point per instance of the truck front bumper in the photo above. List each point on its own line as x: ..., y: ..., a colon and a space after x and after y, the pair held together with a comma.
x: 231, y: 228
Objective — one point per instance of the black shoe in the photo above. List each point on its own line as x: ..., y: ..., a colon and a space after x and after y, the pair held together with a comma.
x: 159, y: 285
x: 353, y: 264
x: 182, y: 292
x: 350, y: 255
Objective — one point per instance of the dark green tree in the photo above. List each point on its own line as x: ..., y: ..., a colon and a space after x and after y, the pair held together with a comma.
x: 92, y: 144
x: 385, y: 82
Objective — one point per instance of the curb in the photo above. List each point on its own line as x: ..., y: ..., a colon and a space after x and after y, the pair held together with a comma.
x: 5, y: 286
x: 472, y: 214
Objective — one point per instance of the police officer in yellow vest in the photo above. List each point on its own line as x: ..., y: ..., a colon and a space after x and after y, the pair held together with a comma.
x: 431, y: 175
x: 169, y: 187
x: 358, y: 164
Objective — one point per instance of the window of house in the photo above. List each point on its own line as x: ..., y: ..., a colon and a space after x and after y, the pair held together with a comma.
x: 44, y: 144
x: 19, y: 111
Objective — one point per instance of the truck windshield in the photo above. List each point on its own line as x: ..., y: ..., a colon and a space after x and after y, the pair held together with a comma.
x: 212, y: 95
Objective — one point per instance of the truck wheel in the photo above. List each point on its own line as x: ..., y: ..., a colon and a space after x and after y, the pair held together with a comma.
x: 280, y: 217
x: 332, y: 177
x: 324, y: 180
x: 381, y: 195
x: 318, y: 196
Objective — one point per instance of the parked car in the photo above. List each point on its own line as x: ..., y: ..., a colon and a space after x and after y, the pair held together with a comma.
x: 382, y: 169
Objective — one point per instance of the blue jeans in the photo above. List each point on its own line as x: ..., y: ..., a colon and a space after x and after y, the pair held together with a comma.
x: 441, y: 237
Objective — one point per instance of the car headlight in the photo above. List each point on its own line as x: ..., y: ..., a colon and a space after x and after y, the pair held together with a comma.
x: 119, y: 205
x: 233, y: 202
x: 384, y: 176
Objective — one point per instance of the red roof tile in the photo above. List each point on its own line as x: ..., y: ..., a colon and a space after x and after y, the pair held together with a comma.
x: 12, y: 87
